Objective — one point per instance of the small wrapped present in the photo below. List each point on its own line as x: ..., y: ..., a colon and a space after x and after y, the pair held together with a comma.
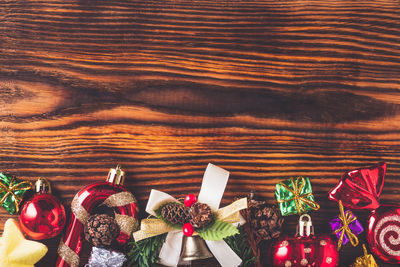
x: 346, y: 227
x: 11, y: 192
x: 365, y: 261
x: 295, y: 196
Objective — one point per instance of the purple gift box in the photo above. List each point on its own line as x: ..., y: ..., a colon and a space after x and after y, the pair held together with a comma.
x: 355, y: 227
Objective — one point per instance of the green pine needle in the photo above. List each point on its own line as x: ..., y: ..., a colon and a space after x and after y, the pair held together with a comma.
x: 144, y: 253
x: 241, y: 247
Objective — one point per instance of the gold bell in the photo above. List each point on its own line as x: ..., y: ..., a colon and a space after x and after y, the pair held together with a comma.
x: 194, y: 248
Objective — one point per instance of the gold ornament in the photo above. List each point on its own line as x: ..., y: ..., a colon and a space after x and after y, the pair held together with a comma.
x: 365, y: 261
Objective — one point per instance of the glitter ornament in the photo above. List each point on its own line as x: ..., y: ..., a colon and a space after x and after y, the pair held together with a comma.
x: 305, y: 249
x: 43, y: 215
x: 361, y: 189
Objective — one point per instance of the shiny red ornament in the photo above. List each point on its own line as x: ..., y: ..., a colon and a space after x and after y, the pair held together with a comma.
x: 188, y: 229
x: 42, y: 216
x: 361, y: 189
x: 110, y: 193
x: 305, y: 249
x: 190, y: 199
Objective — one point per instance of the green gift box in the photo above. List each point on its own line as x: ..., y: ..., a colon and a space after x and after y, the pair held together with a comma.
x: 11, y: 192
x: 295, y: 196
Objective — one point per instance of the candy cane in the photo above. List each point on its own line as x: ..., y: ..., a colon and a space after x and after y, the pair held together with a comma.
x: 110, y: 194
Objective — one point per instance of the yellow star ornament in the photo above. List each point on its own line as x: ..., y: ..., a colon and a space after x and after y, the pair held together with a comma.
x: 16, y: 251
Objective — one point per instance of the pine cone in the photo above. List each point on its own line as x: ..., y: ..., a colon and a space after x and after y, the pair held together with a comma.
x: 200, y: 215
x: 175, y: 213
x: 101, y: 230
x: 266, y: 220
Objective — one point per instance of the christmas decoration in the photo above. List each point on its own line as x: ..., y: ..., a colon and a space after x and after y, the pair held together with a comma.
x: 190, y: 199
x: 188, y: 229
x: 240, y: 245
x: 263, y: 222
x: 105, y: 258
x: 361, y: 189
x: 305, y: 249
x: 346, y: 227
x: 111, y: 194
x: 212, y: 189
x: 11, y: 192
x: 101, y: 230
x: 144, y: 253
x: 42, y: 216
x: 175, y: 213
x: 365, y: 261
x: 200, y: 215
x: 295, y: 196
x: 16, y: 251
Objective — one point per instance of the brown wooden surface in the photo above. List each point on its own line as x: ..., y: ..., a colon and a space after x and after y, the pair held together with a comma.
x: 265, y: 89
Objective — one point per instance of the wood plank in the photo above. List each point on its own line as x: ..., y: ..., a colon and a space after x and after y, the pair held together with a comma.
x: 265, y: 89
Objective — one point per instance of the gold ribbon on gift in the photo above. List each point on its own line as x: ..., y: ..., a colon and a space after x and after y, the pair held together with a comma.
x: 346, y: 219
x: 297, y: 197
x: 24, y: 185
x: 152, y: 226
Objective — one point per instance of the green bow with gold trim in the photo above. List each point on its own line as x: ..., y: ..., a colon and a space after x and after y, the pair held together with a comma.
x: 11, y: 192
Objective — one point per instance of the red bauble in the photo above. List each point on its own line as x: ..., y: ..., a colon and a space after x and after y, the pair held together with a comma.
x: 305, y: 249
x: 190, y: 199
x: 43, y: 215
x: 188, y: 229
x: 384, y: 233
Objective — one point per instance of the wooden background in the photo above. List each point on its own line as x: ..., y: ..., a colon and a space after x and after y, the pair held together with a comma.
x: 265, y: 89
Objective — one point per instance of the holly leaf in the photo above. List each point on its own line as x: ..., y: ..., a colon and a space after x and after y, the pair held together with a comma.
x: 218, y: 231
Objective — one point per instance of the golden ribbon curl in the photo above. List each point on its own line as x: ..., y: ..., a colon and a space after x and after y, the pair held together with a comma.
x: 346, y: 219
x: 9, y: 191
x: 299, y: 198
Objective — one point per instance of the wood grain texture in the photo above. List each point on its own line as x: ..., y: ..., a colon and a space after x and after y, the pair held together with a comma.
x: 265, y: 89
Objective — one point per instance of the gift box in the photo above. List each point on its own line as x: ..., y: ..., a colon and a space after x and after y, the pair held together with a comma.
x: 337, y: 224
x: 295, y: 196
x: 11, y: 192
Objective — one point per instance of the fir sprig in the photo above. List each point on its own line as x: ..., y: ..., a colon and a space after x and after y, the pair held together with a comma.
x: 144, y: 253
x: 241, y: 247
